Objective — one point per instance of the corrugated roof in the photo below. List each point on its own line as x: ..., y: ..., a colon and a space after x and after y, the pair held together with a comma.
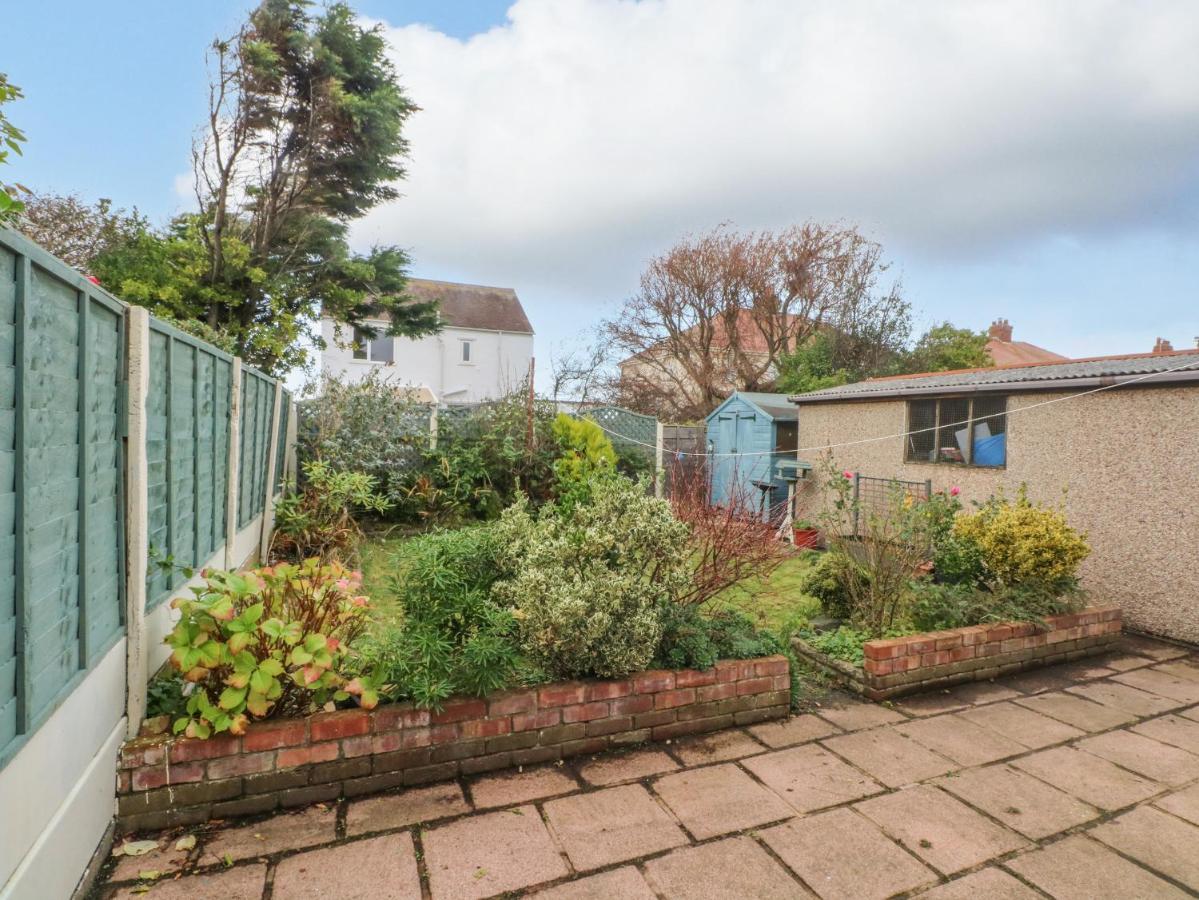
x: 1041, y: 376
x: 473, y: 305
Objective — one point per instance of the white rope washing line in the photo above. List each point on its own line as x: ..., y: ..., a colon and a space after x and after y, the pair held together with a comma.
x: 902, y: 434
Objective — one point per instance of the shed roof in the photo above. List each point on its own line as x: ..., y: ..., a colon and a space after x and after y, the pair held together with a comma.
x: 1171, y: 367
x: 776, y: 406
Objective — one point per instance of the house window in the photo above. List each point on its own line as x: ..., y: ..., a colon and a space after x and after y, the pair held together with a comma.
x: 965, y: 431
x: 466, y: 350
x: 380, y: 349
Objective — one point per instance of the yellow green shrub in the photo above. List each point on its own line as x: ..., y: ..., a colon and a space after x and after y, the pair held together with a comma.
x: 1023, y: 542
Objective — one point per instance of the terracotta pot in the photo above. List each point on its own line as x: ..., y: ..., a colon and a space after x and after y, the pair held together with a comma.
x: 807, y: 537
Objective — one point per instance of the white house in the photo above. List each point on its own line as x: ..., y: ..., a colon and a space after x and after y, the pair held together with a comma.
x: 483, y: 350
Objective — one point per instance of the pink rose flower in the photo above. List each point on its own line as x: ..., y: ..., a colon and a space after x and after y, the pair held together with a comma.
x: 954, y: 491
x: 847, y: 474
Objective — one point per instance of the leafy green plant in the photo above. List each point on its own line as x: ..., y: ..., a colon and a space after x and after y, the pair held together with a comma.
x: 826, y: 580
x: 445, y: 634
x: 694, y: 639
x: 846, y: 643
x: 587, y: 584
x: 166, y: 695
x: 266, y: 641
x: 11, y: 138
x: 318, y: 520
x: 586, y: 454
x: 939, y: 606
x: 1020, y: 542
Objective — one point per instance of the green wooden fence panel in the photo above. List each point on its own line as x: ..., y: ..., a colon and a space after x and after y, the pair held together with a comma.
x: 281, y: 440
x: 188, y: 437
x: 61, y: 492
x: 257, y: 411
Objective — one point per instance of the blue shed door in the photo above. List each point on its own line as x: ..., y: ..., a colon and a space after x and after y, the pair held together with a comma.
x: 735, y: 436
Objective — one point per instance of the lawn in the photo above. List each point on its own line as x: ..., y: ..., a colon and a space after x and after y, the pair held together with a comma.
x: 772, y: 602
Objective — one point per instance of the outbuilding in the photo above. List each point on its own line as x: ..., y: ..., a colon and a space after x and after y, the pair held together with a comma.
x: 1111, y: 439
x: 752, y: 441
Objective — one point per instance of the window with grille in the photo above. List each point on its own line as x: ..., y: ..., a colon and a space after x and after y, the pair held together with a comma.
x: 964, y: 431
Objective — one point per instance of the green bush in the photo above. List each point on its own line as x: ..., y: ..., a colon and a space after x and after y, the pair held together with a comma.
x: 318, y: 520
x: 586, y: 454
x: 588, y: 583
x: 845, y: 644
x: 826, y: 580
x: 445, y: 635
x: 1022, y: 543
x: 692, y: 639
x: 939, y: 606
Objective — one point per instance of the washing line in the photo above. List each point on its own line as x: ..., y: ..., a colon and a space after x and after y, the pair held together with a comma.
x: 903, y: 434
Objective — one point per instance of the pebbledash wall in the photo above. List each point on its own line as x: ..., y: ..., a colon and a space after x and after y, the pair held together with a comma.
x: 894, y: 667
x: 118, y: 433
x: 1122, y: 462
x: 292, y: 762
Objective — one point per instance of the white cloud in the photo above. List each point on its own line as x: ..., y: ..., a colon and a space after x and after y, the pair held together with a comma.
x: 561, y: 149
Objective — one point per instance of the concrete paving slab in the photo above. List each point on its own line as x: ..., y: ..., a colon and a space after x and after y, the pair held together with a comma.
x: 1018, y: 800
x: 1123, y: 662
x: 808, y: 777
x: 988, y: 884
x: 287, y: 831
x: 854, y: 716
x: 1021, y: 725
x: 733, y: 869
x: 1184, y: 804
x: 1090, y: 778
x: 1187, y: 668
x: 338, y: 871
x: 1125, y: 698
x: 1144, y: 646
x: 166, y: 859
x: 719, y: 800
x: 513, y: 787
x: 1076, y: 711
x: 957, y: 738
x: 1145, y: 756
x: 239, y: 883
x: 939, y: 828
x: 975, y: 693
x: 1181, y: 690
x: 386, y: 811
x: 843, y: 856
x: 890, y: 757
x: 610, y: 826
x: 1038, y: 681
x: 490, y: 853
x: 796, y: 730
x: 1156, y: 839
x: 625, y: 883
x: 1079, y: 868
x: 718, y: 747
x: 615, y: 768
x: 1174, y: 730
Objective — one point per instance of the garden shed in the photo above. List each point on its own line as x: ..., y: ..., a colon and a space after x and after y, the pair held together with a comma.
x: 750, y: 436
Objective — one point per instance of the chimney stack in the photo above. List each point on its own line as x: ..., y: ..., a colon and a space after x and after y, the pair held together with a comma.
x: 1000, y: 330
x: 1161, y: 345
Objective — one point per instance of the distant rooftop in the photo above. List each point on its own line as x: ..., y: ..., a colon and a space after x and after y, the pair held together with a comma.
x: 1173, y: 365
x: 1006, y: 352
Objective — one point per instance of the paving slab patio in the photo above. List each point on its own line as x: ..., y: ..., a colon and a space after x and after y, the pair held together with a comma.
x: 1082, y: 781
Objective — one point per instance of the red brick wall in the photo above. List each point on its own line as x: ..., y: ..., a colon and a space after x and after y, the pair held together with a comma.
x: 164, y: 781
x: 901, y: 665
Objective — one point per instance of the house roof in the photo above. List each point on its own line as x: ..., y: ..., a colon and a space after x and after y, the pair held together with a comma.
x: 776, y: 406
x: 473, y: 305
x: 750, y: 338
x: 1020, y: 353
x: 1171, y: 367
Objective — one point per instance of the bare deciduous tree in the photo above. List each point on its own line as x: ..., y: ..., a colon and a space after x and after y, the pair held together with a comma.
x: 717, y: 312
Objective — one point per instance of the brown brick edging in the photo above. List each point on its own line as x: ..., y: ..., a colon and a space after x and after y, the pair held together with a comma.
x: 919, y: 662
x: 164, y: 781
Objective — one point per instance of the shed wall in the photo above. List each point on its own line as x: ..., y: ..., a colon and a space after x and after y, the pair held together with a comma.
x: 1124, y: 463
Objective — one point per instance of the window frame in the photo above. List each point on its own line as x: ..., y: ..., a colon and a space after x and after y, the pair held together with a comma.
x: 365, y: 346
x: 972, y: 420
x: 466, y: 352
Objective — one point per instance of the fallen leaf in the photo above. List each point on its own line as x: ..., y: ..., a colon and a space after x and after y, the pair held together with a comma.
x: 141, y: 889
x: 149, y: 874
x: 138, y: 848
x: 228, y: 860
x: 480, y: 873
x: 186, y: 842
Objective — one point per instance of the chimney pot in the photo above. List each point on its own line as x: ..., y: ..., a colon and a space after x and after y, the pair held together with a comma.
x: 1000, y: 330
x: 1161, y: 345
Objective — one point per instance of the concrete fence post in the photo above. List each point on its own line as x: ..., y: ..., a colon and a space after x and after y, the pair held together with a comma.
x: 268, y: 503
x: 433, y: 426
x: 659, y: 461
x: 137, y: 503
x: 233, y: 463
x: 290, y: 472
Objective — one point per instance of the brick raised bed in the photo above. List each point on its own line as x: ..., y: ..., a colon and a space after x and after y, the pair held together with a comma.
x: 164, y: 781
x: 920, y: 662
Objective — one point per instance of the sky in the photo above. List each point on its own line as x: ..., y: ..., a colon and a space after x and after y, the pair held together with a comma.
x: 1031, y: 159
